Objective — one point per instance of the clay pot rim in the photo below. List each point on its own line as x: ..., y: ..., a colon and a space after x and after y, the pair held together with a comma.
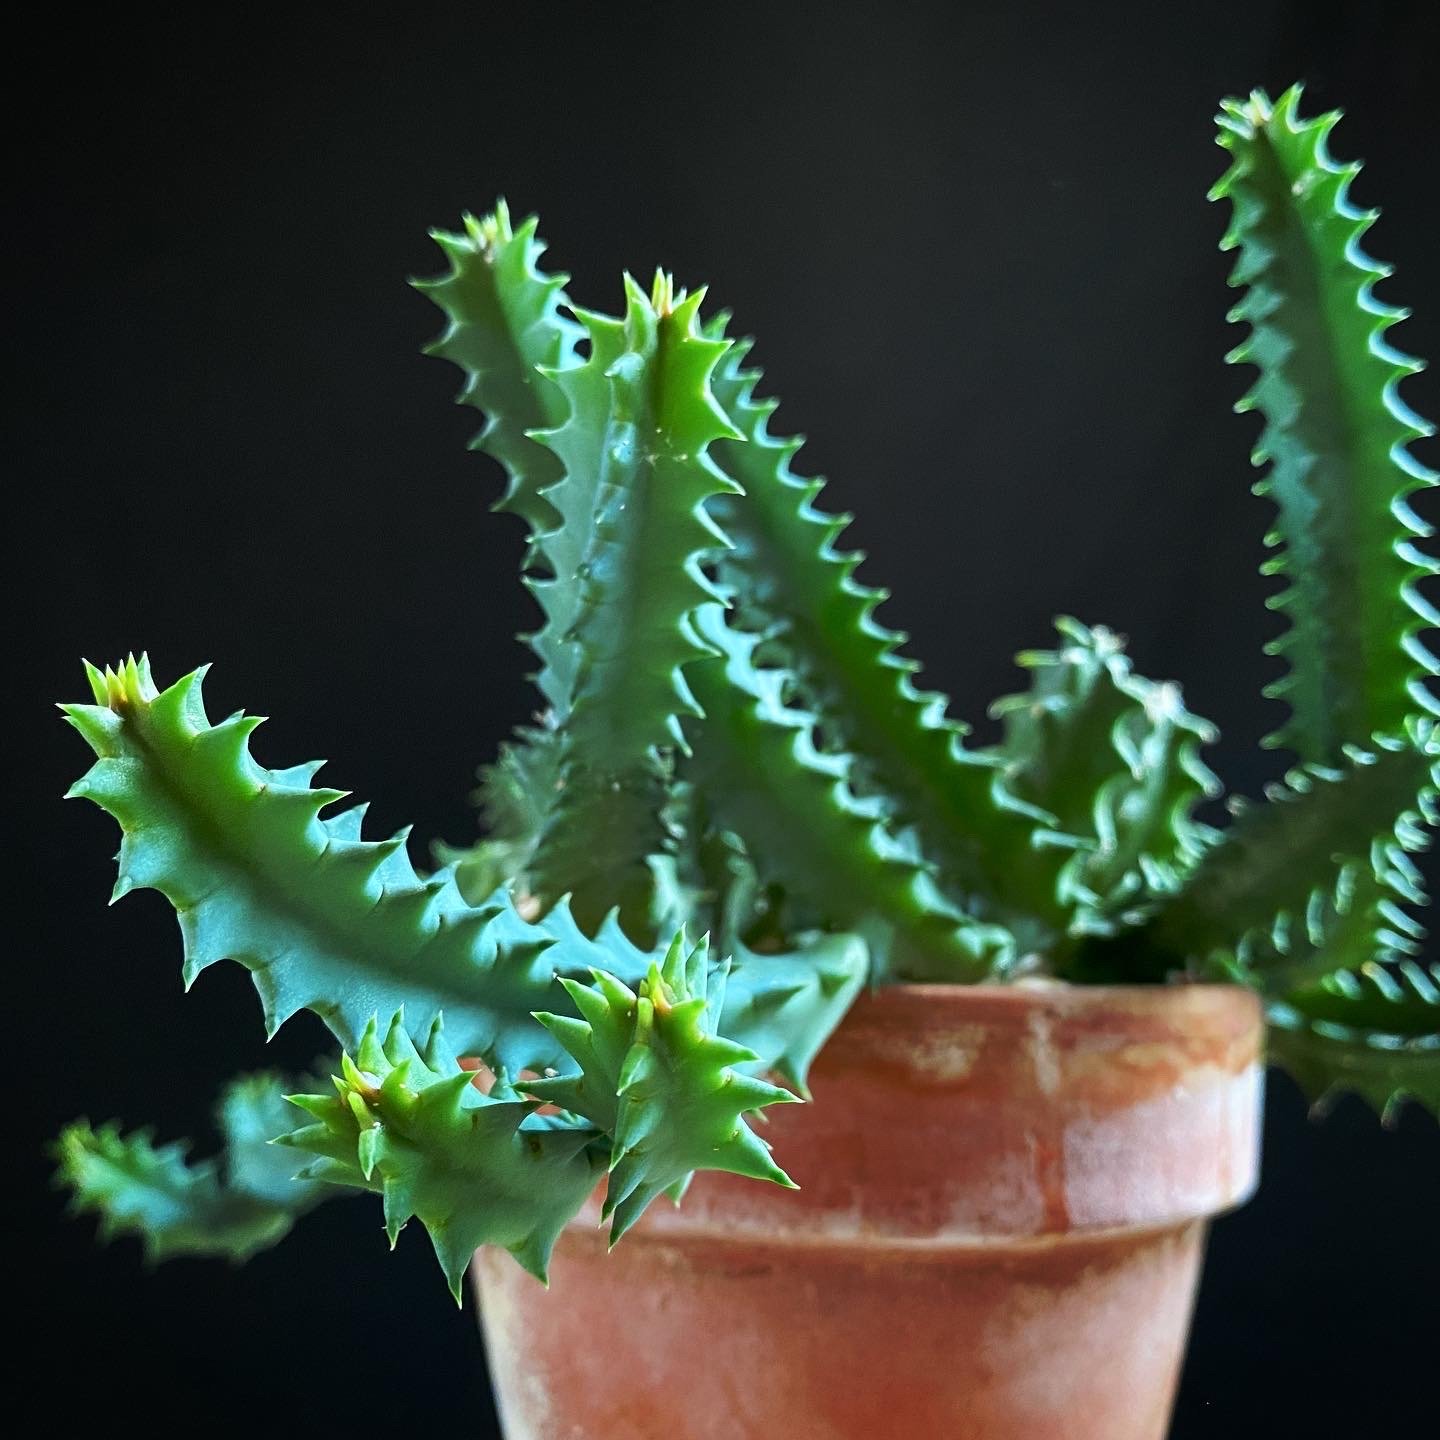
x: 1016, y: 999
x: 1040, y: 988
x: 900, y: 1026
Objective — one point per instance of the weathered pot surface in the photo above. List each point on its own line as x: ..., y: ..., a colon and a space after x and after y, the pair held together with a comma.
x: 1002, y: 1209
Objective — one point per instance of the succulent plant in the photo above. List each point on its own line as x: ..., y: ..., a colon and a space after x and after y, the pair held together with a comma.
x: 732, y: 745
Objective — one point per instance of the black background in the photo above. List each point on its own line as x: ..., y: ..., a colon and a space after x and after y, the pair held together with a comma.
x: 975, y: 243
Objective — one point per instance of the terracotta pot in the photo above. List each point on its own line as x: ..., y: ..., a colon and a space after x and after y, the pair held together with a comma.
x: 1003, y: 1206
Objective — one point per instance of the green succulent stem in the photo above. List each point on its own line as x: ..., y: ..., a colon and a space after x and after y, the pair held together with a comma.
x: 323, y: 919
x: 1373, y: 1031
x: 626, y: 580
x: 658, y: 1077
x: 506, y: 331
x: 823, y: 840
x: 1336, y: 433
x: 230, y: 1206
x: 1114, y: 761
x: 792, y: 582
x: 409, y: 1123
x: 1287, y: 873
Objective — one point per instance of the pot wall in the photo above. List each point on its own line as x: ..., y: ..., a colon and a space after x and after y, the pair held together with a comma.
x: 997, y: 1237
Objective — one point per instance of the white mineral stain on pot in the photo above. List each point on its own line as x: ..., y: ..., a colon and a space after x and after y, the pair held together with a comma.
x: 946, y: 1057
x: 1043, y: 1056
x: 1187, y: 1152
